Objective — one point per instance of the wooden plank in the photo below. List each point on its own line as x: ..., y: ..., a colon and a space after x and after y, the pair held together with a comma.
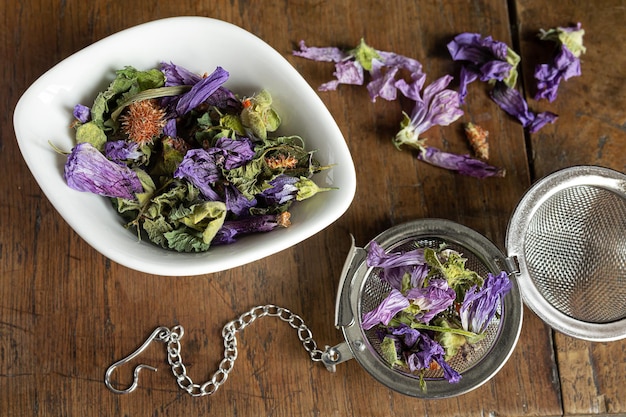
x: 591, y: 130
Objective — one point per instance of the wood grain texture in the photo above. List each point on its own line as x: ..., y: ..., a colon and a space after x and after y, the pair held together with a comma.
x: 591, y: 130
x: 67, y: 312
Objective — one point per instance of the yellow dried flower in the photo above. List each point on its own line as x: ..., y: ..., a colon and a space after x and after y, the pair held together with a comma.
x: 281, y: 162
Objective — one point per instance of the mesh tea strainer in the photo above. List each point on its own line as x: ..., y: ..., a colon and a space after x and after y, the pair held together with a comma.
x: 361, y: 291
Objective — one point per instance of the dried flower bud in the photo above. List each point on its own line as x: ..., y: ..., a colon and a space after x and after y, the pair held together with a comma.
x: 477, y: 137
x: 143, y: 121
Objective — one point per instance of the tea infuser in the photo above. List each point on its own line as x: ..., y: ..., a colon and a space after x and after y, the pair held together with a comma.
x: 567, y: 259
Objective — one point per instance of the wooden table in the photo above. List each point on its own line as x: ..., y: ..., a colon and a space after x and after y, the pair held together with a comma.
x: 67, y: 312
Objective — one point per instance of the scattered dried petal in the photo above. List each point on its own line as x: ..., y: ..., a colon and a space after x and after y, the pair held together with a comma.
x: 463, y: 164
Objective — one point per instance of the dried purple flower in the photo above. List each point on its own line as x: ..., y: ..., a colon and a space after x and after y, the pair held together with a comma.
x: 571, y: 37
x: 395, y: 265
x: 426, y: 352
x: 177, y: 75
x: 201, y: 91
x: 405, y: 334
x: 86, y: 169
x: 233, y: 229
x: 377, y: 257
x: 431, y: 300
x: 384, y: 312
x: 512, y: 102
x: 384, y: 71
x: 200, y: 168
x: 283, y: 189
x: 479, y: 306
x: 237, y: 152
x: 122, y: 150
x: 170, y: 128
x: 437, y: 106
x: 463, y: 164
x: 324, y: 54
x: 236, y: 202
x: 565, y: 63
x: 564, y: 66
x: 485, y: 58
x: 82, y: 113
x: 350, y: 67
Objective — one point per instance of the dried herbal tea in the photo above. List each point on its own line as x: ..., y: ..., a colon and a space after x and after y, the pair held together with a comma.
x: 436, y: 307
x: 187, y: 162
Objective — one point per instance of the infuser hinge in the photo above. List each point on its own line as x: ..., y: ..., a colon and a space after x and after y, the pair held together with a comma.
x: 511, y: 264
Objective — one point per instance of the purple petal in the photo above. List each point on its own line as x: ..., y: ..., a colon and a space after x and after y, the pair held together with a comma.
x: 233, y: 229
x: 382, y: 83
x: 237, y: 152
x: 474, y: 48
x: 431, y: 300
x: 89, y: 170
x: 394, y: 276
x: 176, y: 75
x: 377, y: 257
x: 436, y: 87
x: 201, y: 91
x: 429, y: 351
x: 464, y: 164
x: 412, y: 90
x: 438, y: 107
x: 479, y: 306
x: 327, y: 54
x: 449, y: 374
x: 199, y: 167
x: 540, y: 120
x: 170, y: 128
x: 122, y: 150
x: 224, y: 99
x: 426, y: 351
x: 406, y: 334
x: 283, y: 189
x: 466, y: 77
x: 495, y: 70
x: 389, y: 307
x: 444, y: 108
x: 236, y: 202
x: 346, y: 72
x: 82, y: 113
x: 564, y: 66
x: 393, y: 60
x: 512, y: 102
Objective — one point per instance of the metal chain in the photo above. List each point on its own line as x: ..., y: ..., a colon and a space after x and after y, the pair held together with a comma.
x: 229, y: 333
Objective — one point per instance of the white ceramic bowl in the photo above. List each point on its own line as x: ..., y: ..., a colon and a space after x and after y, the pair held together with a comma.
x: 44, y: 113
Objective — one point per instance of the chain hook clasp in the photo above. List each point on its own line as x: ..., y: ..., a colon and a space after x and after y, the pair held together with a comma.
x: 160, y: 334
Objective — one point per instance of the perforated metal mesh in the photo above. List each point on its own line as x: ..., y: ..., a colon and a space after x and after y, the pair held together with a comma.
x: 576, y: 253
x: 374, y: 291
